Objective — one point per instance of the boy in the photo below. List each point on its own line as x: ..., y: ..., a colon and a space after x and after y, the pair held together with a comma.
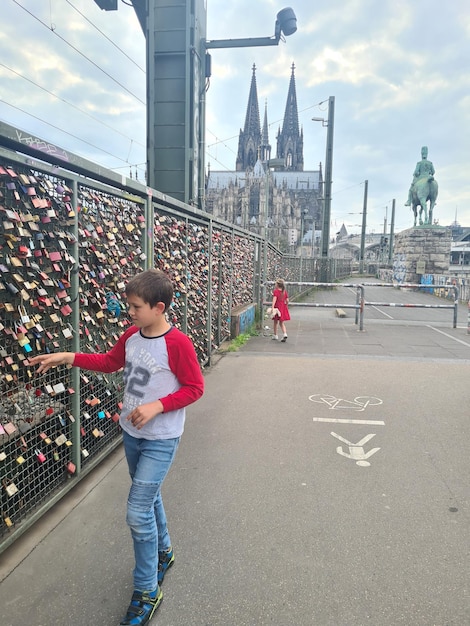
x: 161, y: 377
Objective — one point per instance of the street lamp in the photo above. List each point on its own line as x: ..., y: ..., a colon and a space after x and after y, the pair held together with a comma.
x: 392, y: 234
x: 363, y: 229
x: 286, y: 24
x: 303, y: 215
x: 178, y: 67
x: 329, y: 123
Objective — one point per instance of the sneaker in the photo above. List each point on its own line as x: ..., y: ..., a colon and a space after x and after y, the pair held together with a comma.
x: 284, y: 338
x: 274, y: 337
x: 142, y: 607
x: 165, y: 560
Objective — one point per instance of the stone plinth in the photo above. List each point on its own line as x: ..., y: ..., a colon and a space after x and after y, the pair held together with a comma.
x: 421, y: 250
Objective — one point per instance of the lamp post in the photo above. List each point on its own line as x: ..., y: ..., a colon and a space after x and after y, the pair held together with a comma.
x: 363, y: 229
x: 178, y: 67
x: 392, y: 234
x: 286, y: 24
x: 303, y: 215
x: 312, y: 252
x: 325, y: 233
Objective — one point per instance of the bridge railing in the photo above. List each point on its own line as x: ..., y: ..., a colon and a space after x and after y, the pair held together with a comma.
x: 71, y: 234
x: 358, y: 306
x: 454, y: 306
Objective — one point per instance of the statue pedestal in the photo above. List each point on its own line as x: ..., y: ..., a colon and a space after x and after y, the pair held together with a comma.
x: 421, y: 250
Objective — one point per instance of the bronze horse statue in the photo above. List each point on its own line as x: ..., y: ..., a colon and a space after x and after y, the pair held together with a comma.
x: 424, y: 189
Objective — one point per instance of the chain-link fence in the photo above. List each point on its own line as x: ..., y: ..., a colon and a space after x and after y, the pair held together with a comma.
x: 68, y: 245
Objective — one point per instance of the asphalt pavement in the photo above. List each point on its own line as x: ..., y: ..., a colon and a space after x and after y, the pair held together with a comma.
x: 321, y: 481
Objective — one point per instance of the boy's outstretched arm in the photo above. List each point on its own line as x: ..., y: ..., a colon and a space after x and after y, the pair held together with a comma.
x: 46, y: 361
x: 110, y: 361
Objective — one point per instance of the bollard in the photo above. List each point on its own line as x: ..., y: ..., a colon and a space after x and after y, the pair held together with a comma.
x: 468, y: 324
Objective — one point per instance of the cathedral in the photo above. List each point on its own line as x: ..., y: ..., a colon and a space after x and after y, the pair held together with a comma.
x: 286, y: 199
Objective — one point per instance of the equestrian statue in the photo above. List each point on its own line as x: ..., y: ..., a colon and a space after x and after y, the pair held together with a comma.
x: 423, y: 189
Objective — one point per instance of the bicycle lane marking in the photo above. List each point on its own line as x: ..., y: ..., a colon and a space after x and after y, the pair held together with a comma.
x: 354, y: 451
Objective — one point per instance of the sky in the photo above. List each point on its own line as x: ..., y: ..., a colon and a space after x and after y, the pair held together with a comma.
x: 399, y: 71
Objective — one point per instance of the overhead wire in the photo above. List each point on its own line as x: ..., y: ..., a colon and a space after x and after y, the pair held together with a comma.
x: 62, y: 130
x: 80, y: 53
x: 74, y: 106
x: 106, y: 36
x: 52, y: 29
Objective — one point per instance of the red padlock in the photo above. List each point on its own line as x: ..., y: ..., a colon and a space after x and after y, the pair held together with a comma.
x: 40, y: 456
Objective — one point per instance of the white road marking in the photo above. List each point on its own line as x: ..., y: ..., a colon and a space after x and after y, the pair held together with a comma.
x: 356, y: 450
x: 464, y: 343
x: 332, y: 420
x: 360, y: 403
x: 383, y: 312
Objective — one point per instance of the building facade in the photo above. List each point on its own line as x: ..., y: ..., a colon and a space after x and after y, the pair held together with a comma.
x: 287, y: 202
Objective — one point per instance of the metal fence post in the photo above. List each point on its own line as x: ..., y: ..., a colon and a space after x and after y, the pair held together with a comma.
x: 361, y: 314
x: 456, y: 304
x: 75, y: 373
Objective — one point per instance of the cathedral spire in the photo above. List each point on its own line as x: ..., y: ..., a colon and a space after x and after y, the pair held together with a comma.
x: 265, y: 147
x: 290, y: 140
x: 250, y: 137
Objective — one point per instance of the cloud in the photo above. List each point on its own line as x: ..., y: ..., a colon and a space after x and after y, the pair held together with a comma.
x: 398, y: 70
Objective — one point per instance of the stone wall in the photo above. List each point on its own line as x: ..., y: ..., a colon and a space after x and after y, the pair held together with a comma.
x: 421, y: 250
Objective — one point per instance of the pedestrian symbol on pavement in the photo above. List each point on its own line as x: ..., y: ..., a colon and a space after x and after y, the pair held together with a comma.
x: 356, y: 450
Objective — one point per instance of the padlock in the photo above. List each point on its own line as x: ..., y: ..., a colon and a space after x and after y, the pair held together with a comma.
x: 45, y: 438
x: 22, y: 339
x: 41, y: 457
x: 71, y: 468
x: 11, y: 489
x: 24, y: 317
x: 58, y: 388
x: 9, y: 427
x: 60, y: 440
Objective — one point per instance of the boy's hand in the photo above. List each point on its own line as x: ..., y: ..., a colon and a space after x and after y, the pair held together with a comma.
x: 144, y: 413
x: 46, y: 361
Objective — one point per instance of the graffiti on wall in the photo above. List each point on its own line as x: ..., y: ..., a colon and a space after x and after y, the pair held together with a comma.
x: 247, y: 318
x: 399, y: 268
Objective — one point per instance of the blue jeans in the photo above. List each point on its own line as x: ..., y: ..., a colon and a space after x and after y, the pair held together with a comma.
x: 149, y: 462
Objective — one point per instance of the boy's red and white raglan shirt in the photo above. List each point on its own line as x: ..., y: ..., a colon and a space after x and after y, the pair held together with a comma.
x: 161, y: 368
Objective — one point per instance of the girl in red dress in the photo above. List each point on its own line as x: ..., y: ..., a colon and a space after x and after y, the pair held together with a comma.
x: 280, y: 302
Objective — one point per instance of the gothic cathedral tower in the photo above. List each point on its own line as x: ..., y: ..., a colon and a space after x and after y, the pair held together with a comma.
x: 290, y: 142
x: 249, y: 141
x: 253, y: 144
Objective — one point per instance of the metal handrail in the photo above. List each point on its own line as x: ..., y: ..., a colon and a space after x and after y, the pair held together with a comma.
x: 361, y: 302
x: 454, y: 306
x: 359, y: 306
